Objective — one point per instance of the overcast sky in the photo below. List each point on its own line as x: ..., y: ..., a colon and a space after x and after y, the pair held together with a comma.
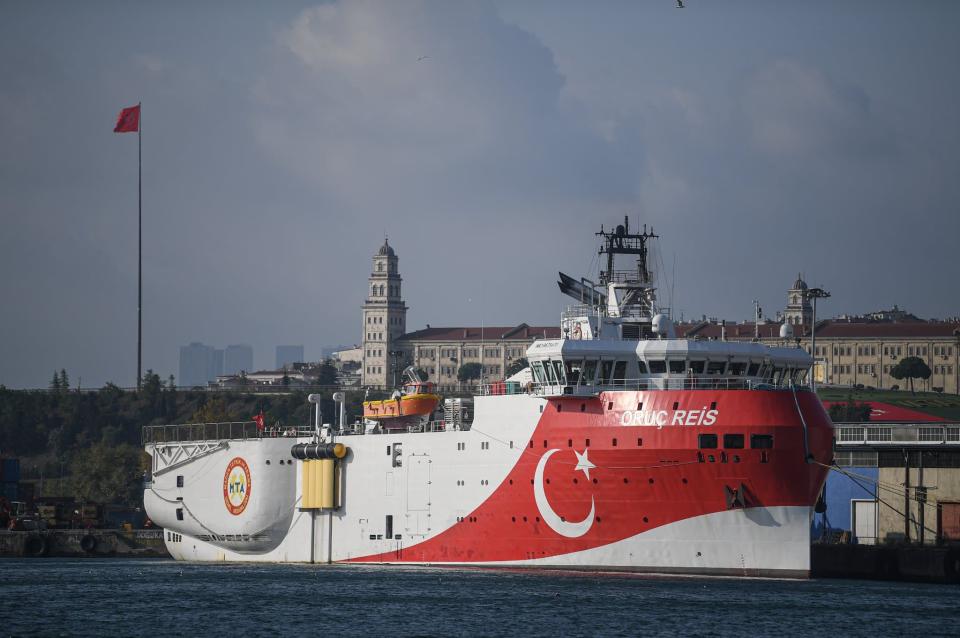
x: 489, y: 140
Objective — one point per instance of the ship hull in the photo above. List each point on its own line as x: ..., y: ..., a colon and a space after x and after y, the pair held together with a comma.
x: 619, y: 481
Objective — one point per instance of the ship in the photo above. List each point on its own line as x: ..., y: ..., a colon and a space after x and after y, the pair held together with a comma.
x: 625, y: 447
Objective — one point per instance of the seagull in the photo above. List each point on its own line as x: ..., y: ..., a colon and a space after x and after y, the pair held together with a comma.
x: 423, y: 57
x: 679, y: 4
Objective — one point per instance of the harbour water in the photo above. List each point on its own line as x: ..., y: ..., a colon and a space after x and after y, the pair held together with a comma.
x: 73, y: 597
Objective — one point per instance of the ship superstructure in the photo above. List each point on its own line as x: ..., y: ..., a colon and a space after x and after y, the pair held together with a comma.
x: 630, y: 448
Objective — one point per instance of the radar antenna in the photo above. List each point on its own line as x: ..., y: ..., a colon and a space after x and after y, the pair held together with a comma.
x: 621, y: 242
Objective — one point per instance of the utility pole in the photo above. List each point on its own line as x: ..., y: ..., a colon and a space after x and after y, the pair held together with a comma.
x: 814, y: 293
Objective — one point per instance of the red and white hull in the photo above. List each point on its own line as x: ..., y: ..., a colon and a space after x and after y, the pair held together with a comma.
x: 614, y: 481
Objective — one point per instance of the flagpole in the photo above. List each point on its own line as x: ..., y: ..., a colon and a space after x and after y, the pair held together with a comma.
x: 139, y: 248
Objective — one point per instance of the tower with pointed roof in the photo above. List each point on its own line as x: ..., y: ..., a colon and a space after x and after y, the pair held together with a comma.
x: 384, y: 318
x: 799, y: 312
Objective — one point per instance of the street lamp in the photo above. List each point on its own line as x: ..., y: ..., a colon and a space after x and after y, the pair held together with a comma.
x: 814, y: 293
x: 396, y: 354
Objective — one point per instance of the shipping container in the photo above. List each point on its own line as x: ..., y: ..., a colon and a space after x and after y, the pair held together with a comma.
x: 11, y: 471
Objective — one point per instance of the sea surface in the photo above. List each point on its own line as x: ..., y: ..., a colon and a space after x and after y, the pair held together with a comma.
x: 131, y: 597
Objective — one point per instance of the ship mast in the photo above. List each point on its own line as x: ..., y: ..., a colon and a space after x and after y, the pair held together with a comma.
x: 621, y: 242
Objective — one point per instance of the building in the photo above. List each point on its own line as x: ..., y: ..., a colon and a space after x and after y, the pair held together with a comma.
x: 199, y: 364
x: 384, y: 319
x: 856, y: 351
x: 288, y: 355
x: 440, y: 352
x: 237, y: 359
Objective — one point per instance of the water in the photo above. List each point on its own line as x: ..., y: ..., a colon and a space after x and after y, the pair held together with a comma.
x: 68, y: 597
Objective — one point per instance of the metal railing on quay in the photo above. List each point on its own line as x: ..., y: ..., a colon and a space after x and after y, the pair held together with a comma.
x: 898, y: 434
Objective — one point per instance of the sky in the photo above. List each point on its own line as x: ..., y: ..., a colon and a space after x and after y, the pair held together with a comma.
x: 281, y: 143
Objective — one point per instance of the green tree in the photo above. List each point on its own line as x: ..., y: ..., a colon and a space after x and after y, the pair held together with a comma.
x: 55, y: 382
x: 213, y: 411
x: 108, y: 474
x: 516, y: 366
x: 911, y: 368
x: 64, y: 380
x: 850, y: 412
x: 469, y: 372
x: 326, y: 374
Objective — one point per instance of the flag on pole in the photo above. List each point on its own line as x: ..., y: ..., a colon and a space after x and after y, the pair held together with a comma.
x: 129, y: 120
x: 259, y: 421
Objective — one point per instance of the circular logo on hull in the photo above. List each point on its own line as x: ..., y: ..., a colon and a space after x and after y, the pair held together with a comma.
x: 236, y: 486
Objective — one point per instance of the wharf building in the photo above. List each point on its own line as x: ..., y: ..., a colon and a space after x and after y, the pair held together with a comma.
x: 855, y: 351
x: 387, y: 348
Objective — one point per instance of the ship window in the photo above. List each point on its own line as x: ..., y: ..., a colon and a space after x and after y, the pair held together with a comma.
x: 589, y: 371
x: 538, y: 372
x: 573, y: 369
x: 753, y: 369
x: 707, y: 441
x: 179, y: 480
x: 800, y: 375
x: 761, y: 441
x: 716, y: 367
x: 606, y: 371
x: 678, y: 367
x: 737, y: 368
x: 548, y: 373
x: 642, y: 365
x: 733, y: 441
x: 696, y: 367
x: 620, y: 373
x: 657, y: 366
x: 179, y: 513
x: 558, y: 369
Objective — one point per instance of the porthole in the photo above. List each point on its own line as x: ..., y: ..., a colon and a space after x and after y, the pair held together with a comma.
x: 684, y: 481
x: 583, y: 407
x: 626, y: 480
x: 676, y: 404
x: 609, y: 405
x: 646, y: 520
x: 575, y: 481
x: 650, y: 481
x: 595, y: 481
x: 268, y: 461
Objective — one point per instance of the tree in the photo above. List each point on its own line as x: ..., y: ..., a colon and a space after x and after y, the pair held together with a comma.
x: 516, y: 366
x: 55, y: 383
x: 109, y: 474
x: 469, y: 372
x: 64, y: 380
x: 850, y: 412
x: 911, y: 368
x: 213, y: 411
x: 326, y: 374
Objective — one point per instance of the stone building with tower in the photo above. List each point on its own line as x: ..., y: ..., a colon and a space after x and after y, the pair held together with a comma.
x: 387, y: 347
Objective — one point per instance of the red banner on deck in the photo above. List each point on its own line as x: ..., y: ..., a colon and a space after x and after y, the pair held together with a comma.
x: 129, y: 120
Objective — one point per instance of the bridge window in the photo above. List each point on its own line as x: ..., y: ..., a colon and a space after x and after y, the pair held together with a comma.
x: 558, y: 370
x: 733, y: 441
x: 761, y: 441
x: 678, y: 367
x: 696, y: 367
x: 707, y: 441
x: 548, y: 373
x: 620, y: 373
x: 753, y: 369
x: 716, y: 367
x: 737, y: 368
x: 589, y: 371
x: 538, y: 372
x: 573, y: 370
x: 642, y: 365
x: 606, y: 372
x: 657, y: 366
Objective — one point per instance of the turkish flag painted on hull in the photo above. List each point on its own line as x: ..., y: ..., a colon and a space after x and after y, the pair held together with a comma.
x: 128, y: 121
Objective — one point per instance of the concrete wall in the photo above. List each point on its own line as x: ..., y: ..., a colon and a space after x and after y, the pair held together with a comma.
x: 943, y: 484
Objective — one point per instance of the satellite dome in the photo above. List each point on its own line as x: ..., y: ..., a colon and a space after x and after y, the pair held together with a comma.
x: 660, y: 324
x: 786, y: 331
x: 386, y: 250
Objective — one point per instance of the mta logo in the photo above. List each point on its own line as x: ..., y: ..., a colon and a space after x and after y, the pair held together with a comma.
x: 238, y: 486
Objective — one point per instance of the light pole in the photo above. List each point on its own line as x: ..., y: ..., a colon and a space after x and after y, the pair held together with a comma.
x: 814, y: 293
x: 396, y: 354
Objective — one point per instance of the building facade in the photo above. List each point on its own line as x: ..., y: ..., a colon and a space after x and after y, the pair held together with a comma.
x: 237, y: 358
x: 199, y: 363
x: 288, y: 355
x: 384, y: 319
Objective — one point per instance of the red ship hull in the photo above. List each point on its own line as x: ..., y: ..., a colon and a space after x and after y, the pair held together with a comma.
x: 614, y: 469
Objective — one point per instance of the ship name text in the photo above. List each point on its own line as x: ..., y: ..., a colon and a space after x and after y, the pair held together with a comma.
x: 663, y: 418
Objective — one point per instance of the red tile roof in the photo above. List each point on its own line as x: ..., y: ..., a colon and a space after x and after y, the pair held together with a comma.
x: 489, y: 333
x: 827, y: 328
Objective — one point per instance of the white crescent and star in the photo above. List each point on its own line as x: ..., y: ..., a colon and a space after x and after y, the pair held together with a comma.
x: 569, y: 529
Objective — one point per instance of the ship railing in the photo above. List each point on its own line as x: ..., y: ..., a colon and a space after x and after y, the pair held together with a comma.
x: 230, y: 430
x: 708, y: 382
x: 898, y: 434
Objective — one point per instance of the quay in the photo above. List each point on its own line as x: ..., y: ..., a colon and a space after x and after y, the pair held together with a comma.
x: 101, y: 543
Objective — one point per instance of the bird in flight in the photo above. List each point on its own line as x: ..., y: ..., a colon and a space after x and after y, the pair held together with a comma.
x: 679, y: 4
x: 423, y: 57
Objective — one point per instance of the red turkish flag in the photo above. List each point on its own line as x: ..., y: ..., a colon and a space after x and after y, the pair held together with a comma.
x: 129, y: 120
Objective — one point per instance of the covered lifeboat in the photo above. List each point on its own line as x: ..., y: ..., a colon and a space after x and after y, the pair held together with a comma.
x: 417, y: 399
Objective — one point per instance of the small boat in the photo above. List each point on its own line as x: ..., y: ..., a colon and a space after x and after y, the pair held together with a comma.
x: 417, y: 399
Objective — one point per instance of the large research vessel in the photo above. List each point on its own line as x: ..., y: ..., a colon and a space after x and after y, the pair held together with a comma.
x: 628, y: 449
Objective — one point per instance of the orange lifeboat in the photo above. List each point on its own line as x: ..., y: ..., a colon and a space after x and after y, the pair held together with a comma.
x: 417, y: 399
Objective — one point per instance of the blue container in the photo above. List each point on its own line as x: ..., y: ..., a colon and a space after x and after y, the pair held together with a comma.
x: 11, y: 471
x: 10, y: 491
